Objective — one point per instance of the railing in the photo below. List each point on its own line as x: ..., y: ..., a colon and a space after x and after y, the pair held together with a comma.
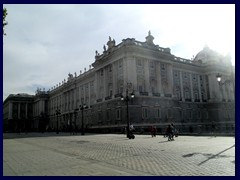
x: 144, y: 93
x: 156, y: 94
x: 117, y: 95
x: 108, y: 97
x: 168, y: 95
x: 99, y: 100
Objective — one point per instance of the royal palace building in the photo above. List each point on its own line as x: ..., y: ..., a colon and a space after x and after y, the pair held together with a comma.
x: 166, y: 88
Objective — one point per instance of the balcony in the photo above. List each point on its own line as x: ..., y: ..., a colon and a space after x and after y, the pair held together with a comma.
x: 117, y: 95
x: 99, y: 100
x: 168, y: 95
x: 108, y: 98
x: 156, y: 94
x: 144, y: 93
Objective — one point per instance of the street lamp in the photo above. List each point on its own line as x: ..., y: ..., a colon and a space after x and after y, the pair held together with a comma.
x: 228, y: 81
x: 221, y: 83
x: 82, y: 107
x: 127, y: 99
x: 57, y: 113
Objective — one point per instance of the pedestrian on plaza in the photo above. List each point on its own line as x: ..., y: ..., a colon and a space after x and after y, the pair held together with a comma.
x: 174, y: 130
x: 214, y: 130
x: 131, y: 129
x: 153, y: 131
x: 170, y: 133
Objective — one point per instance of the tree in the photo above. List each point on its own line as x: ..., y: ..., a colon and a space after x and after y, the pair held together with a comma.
x: 4, y: 21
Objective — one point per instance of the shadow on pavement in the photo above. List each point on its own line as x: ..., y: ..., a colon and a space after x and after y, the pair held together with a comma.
x: 216, y: 155
x: 164, y: 141
x: 209, y: 156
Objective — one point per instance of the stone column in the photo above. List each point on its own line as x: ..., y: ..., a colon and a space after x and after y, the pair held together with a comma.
x: 158, y: 78
x: 10, y: 110
x: 89, y: 94
x: 191, y: 88
x: 125, y: 73
x: 181, y: 85
x: 19, y: 105
x: 26, y: 110
x: 146, y: 76
x: 170, y: 78
x: 114, y: 75
x: 199, y: 88
x: 131, y: 72
x: 105, y: 83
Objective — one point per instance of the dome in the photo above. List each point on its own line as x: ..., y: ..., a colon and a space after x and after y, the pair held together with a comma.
x: 207, y: 56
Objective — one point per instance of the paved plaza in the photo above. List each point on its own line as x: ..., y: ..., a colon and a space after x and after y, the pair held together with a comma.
x: 49, y: 154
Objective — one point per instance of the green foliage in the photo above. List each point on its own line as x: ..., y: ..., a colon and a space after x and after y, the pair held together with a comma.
x: 4, y: 21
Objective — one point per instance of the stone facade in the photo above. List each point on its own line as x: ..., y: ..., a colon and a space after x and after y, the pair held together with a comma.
x: 167, y: 88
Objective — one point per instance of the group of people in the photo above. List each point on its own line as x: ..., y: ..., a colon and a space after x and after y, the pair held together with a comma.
x: 153, y: 131
x: 171, y: 131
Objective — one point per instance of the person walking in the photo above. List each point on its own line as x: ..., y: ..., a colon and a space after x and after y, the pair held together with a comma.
x: 154, y: 131
x: 170, y: 133
x: 174, y: 130
x: 131, y: 129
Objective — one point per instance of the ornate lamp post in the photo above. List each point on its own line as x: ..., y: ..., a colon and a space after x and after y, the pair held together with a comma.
x: 57, y: 113
x: 228, y: 81
x: 221, y: 83
x: 127, y: 98
x: 82, y: 107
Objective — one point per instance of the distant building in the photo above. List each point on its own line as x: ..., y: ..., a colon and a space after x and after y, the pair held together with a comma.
x: 18, y: 112
x: 167, y: 89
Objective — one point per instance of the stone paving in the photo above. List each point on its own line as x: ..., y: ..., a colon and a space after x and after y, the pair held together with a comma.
x: 49, y: 154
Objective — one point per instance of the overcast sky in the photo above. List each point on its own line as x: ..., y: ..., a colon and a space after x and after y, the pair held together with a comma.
x: 46, y: 42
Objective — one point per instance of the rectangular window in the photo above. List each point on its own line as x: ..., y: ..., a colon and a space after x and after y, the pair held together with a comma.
x: 118, y: 114
x: 225, y: 114
x: 121, y: 89
x: 151, y: 64
x: 175, y: 74
x: 144, y: 112
x: 169, y: 113
x: 157, y: 113
x: 153, y: 89
x: 178, y: 94
x: 100, y: 116
x: 180, y: 114
x: 187, y: 95
x: 196, y: 96
x: 108, y: 115
x: 206, y: 115
x: 139, y: 62
x: 190, y: 114
x: 199, y: 114
x: 120, y: 64
x: 163, y: 66
x: 140, y: 88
